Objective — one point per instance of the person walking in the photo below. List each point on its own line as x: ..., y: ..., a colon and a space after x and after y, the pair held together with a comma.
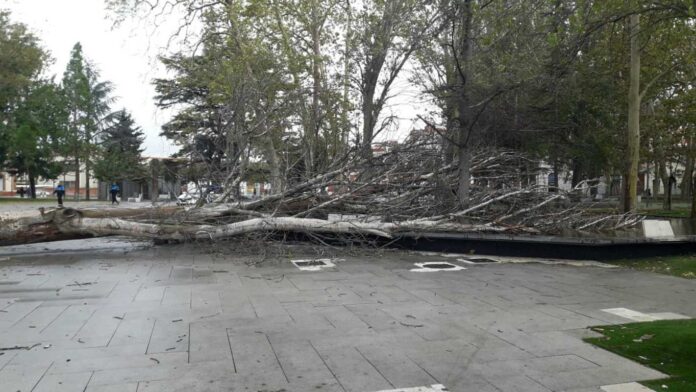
x: 60, y: 193
x: 114, y: 191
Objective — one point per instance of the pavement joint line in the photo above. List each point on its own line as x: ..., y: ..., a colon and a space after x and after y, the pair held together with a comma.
x: 375, y: 367
x: 327, y: 366
x: 41, y: 378
x: 422, y: 368
x: 276, y: 357
x: 147, y: 348
x: 84, y: 323
x: 112, y: 289
x: 88, y: 381
x: 55, y: 318
x: 164, y: 293
x: 120, y: 321
x: 26, y: 315
x: 229, y: 342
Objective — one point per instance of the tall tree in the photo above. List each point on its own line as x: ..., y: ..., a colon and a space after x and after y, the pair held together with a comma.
x: 388, y: 32
x: 120, y: 151
x: 21, y: 60
x: 38, y: 131
x: 88, y: 100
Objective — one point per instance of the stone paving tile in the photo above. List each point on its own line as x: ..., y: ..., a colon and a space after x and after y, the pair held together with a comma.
x: 353, y: 371
x: 22, y: 377
x: 131, y: 387
x: 398, y: 369
x: 177, y: 318
x: 68, y: 382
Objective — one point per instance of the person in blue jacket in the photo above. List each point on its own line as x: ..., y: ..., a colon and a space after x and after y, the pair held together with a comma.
x: 60, y: 193
x: 114, y: 191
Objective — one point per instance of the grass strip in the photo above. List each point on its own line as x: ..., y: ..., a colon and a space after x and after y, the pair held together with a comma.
x: 668, y: 346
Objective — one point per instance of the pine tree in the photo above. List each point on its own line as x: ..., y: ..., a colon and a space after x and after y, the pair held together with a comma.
x: 88, y: 101
x: 120, y: 151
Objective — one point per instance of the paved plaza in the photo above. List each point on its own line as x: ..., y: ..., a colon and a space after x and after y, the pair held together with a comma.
x: 182, y: 318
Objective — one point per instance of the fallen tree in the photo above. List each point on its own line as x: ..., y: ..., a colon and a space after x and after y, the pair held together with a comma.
x: 407, y: 190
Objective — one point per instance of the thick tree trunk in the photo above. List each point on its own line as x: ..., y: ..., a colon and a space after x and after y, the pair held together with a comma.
x: 345, y: 104
x: 577, y: 173
x: 465, y: 127
x: 666, y: 186
x: 68, y: 222
x: 77, y: 179
x: 687, y: 183
x: 32, y: 186
x: 274, y: 167
x: 368, y: 121
x: 464, y: 188
x: 656, y: 180
x: 316, y: 89
x: 633, y: 145
x: 693, y: 198
x: 87, y: 178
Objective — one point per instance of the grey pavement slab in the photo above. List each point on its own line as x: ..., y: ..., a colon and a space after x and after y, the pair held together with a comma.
x: 182, y: 318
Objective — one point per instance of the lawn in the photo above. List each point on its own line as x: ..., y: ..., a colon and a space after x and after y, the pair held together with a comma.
x: 683, y: 266
x: 673, y: 213
x: 667, y: 346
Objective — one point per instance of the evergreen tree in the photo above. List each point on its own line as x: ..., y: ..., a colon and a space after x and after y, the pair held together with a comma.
x: 120, y: 151
x: 88, y: 100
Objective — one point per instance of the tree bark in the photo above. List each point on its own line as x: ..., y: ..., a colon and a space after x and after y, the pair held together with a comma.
x: 463, y: 59
x: 68, y: 222
x: 633, y: 145
x: 32, y: 185
x: 687, y: 183
x: 87, y: 178
x: 77, y: 178
x: 345, y: 104
x: 693, y: 199
x: 656, y: 180
x: 666, y: 186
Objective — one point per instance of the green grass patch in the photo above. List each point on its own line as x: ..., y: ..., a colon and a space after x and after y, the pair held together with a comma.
x: 667, y: 346
x: 673, y: 213
x: 683, y: 266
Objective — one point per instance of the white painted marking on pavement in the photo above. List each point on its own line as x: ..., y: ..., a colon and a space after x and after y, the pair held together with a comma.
x: 653, y: 228
x: 432, y: 388
x: 640, y: 316
x: 628, y: 387
x: 670, y: 316
x: 327, y: 264
x: 423, y: 267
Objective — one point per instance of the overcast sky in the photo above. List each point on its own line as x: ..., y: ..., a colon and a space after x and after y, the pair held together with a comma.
x: 126, y: 56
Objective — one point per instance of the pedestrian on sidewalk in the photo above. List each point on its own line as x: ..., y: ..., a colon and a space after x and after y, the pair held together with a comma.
x: 114, y: 191
x: 60, y: 193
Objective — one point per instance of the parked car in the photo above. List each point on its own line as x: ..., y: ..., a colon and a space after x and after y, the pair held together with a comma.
x: 192, y: 195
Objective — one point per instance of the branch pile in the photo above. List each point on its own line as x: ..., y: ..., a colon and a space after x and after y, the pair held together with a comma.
x: 409, y: 189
